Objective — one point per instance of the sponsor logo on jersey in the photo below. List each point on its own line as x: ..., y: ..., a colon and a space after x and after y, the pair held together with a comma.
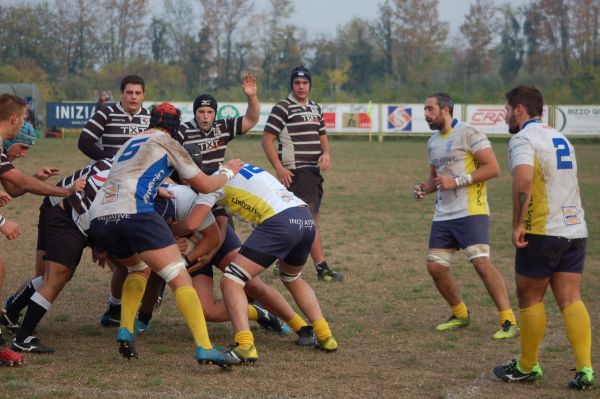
x: 111, y: 194
x: 570, y: 215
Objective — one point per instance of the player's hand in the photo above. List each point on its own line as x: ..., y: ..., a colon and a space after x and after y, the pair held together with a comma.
x: 77, y: 186
x: 419, y: 192
x: 10, y: 229
x: 181, y: 244
x: 45, y: 173
x: 443, y: 183
x: 197, y: 264
x: 518, y: 237
x: 166, y: 193
x: 285, y: 176
x: 235, y: 165
x: 249, y: 85
x: 4, y: 198
x: 325, y: 161
x: 100, y: 258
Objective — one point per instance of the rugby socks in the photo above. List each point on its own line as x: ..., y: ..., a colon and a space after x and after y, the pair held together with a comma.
x: 133, y: 291
x: 321, y: 328
x: 252, y: 313
x: 36, y: 309
x: 112, y: 301
x: 579, y: 332
x: 244, y: 339
x: 144, y: 317
x: 509, y: 315
x: 296, y: 323
x: 20, y: 299
x: 189, y: 305
x: 460, y: 310
x: 533, y: 325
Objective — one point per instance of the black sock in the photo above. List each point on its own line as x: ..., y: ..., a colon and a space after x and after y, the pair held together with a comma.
x: 37, y: 308
x: 321, y: 266
x: 144, y: 317
x: 17, y: 302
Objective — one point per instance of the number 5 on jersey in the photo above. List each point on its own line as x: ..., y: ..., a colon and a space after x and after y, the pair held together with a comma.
x: 132, y: 148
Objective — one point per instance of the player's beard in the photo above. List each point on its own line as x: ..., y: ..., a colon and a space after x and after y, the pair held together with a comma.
x: 513, y: 126
x: 436, y: 124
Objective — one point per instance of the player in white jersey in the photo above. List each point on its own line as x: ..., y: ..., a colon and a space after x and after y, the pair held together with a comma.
x: 550, y: 233
x: 125, y: 225
x: 461, y: 161
x: 284, y: 231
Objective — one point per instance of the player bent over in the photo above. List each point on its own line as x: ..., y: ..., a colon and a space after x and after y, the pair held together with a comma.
x: 285, y: 231
x: 125, y: 225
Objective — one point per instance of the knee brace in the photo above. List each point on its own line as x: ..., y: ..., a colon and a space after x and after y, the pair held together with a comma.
x: 477, y: 251
x: 289, y: 277
x: 137, y: 268
x: 440, y: 257
x: 171, y: 271
x: 237, y: 273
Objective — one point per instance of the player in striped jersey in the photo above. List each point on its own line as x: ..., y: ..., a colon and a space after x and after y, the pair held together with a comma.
x: 112, y: 125
x: 205, y: 138
x: 284, y: 231
x: 549, y: 233
x: 126, y: 227
x: 297, y: 123
x: 461, y: 160
x: 62, y: 236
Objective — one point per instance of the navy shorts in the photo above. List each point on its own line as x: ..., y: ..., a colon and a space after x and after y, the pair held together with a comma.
x: 307, y: 184
x: 289, y: 236
x: 460, y: 233
x: 60, y: 238
x: 230, y: 243
x: 123, y: 235
x: 545, y: 255
x: 41, y: 242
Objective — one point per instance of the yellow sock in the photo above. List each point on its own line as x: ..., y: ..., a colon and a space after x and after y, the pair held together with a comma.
x: 322, y: 329
x: 189, y: 305
x: 533, y: 325
x: 131, y: 298
x: 579, y: 332
x: 509, y: 315
x: 296, y: 323
x: 252, y: 313
x: 460, y: 310
x: 245, y: 339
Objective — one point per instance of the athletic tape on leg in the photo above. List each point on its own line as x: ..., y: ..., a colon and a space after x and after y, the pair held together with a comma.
x: 289, y: 277
x: 171, y: 271
x: 237, y: 273
x: 440, y: 257
x: 137, y: 268
x: 477, y: 251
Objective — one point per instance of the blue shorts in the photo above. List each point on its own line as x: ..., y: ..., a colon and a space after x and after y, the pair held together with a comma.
x: 230, y: 243
x: 288, y: 236
x: 460, y: 233
x: 123, y: 235
x: 545, y: 255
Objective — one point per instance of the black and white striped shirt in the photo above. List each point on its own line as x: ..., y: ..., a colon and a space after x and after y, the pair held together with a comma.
x: 298, y: 129
x: 111, y: 126
x: 5, y: 164
x: 209, y: 146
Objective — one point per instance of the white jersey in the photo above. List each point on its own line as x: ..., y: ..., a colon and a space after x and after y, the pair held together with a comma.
x: 452, y: 154
x: 555, y: 208
x: 255, y: 195
x: 186, y: 199
x: 141, y: 165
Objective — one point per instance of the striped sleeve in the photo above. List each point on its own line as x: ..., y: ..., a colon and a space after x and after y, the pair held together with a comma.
x: 322, y: 130
x: 277, y: 119
x: 5, y: 164
x: 180, y: 136
x: 95, y: 126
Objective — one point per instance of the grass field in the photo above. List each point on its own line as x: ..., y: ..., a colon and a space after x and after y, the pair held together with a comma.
x: 383, y: 315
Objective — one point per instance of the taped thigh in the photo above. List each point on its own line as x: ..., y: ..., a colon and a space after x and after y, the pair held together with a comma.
x: 477, y: 251
x: 137, y: 268
x: 171, y: 271
x: 237, y: 273
x: 440, y: 257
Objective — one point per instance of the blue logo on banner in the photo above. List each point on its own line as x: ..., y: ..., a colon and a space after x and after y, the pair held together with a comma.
x: 399, y: 118
x: 69, y: 115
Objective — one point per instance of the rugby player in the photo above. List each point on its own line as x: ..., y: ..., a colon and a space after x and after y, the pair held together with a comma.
x: 125, y: 225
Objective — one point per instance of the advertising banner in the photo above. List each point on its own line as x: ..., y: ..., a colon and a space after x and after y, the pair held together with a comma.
x: 489, y: 119
x: 351, y: 118
x: 577, y: 120
x: 69, y: 115
x: 408, y: 118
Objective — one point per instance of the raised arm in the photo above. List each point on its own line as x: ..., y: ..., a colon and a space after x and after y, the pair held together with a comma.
x: 250, y: 119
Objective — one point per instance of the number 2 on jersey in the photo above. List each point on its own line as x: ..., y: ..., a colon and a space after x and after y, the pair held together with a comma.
x: 132, y: 148
x: 562, y: 151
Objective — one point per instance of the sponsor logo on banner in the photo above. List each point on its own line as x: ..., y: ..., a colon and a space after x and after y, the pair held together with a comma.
x: 227, y: 111
x: 356, y: 119
x: 329, y: 120
x: 488, y: 116
x: 399, y: 118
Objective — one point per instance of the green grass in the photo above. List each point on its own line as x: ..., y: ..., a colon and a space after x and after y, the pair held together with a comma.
x: 383, y: 315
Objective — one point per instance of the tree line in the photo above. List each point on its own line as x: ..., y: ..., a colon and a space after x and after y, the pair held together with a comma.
x: 73, y: 49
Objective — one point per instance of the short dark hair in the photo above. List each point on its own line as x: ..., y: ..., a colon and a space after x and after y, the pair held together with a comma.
x: 10, y: 104
x: 444, y: 100
x: 529, y: 96
x: 132, y: 79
